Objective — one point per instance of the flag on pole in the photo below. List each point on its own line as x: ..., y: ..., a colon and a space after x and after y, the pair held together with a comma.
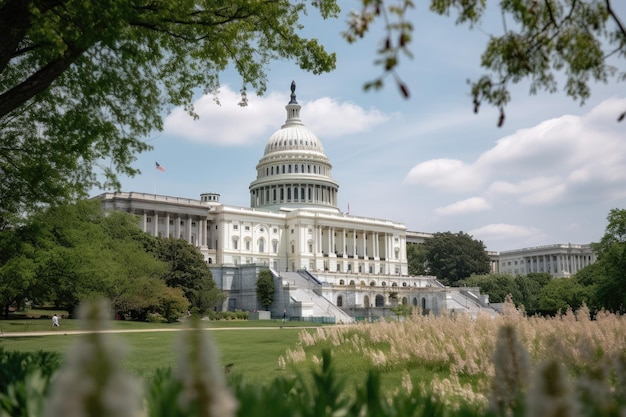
x: 348, y: 208
x: 159, y: 167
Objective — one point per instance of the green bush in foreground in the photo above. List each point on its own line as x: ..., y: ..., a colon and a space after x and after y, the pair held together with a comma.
x: 91, y: 383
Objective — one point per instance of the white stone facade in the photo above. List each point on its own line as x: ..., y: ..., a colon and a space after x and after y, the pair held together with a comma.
x: 324, y: 262
x: 560, y: 260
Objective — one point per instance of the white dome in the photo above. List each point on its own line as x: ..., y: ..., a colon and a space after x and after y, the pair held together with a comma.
x: 294, y: 171
x: 293, y: 137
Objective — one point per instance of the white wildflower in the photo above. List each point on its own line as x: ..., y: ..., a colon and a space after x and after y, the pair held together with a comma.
x: 91, y: 383
x: 202, y: 376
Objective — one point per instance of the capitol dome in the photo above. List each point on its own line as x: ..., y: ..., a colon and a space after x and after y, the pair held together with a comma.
x: 294, y: 171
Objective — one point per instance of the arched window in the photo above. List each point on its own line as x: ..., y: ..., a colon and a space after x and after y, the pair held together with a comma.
x: 363, y: 283
x: 340, y: 301
x: 404, y: 301
x: 394, y: 284
x: 366, y: 301
x: 404, y: 284
x: 372, y: 283
x: 352, y: 282
x: 415, y: 301
x: 423, y: 304
x: 341, y: 282
x: 380, y: 301
x: 261, y: 245
x: 384, y: 284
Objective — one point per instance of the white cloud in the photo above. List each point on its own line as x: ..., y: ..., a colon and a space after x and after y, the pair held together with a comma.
x: 470, y: 205
x: 450, y: 175
x: 327, y: 117
x: 558, y: 161
x: 502, y: 231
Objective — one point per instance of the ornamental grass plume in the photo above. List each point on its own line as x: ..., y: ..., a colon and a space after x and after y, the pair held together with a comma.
x: 204, y: 391
x: 92, y: 382
x: 550, y: 394
x: 511, y: 363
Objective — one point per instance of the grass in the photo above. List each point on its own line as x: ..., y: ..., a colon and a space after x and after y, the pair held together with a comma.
x: 45, y: 325
x: 254, y: 352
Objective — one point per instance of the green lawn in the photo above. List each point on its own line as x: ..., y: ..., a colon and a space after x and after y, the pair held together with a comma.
x: 254, y: 352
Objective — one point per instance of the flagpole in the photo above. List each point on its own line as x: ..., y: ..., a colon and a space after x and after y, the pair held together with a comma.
x: 155, y: 175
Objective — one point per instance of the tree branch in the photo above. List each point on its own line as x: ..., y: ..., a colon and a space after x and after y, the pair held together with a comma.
x: 615, y: 17
x: 37, y: 82
x: 15, y: 20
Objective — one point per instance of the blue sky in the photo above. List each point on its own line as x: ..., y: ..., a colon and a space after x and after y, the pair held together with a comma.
x: 549, y: 175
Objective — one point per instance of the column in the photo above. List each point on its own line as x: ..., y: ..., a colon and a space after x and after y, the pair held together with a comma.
x: 145, y: 222
x: 156, y: 224
x: 167, y: 225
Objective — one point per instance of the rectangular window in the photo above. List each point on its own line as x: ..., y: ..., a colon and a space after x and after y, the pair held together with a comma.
x: 247, y: 228
x: 235, y: 227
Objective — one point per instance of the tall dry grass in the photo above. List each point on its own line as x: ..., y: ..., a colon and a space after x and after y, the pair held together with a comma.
x: 590, y: 350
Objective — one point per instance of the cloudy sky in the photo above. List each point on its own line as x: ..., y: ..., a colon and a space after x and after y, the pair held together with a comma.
x: 549, y: 175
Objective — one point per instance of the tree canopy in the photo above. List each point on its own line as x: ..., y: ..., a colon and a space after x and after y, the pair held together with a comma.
x: 540, y: 42
x: 611, y: 253
x: 67, y: 254
x: 189, y: 272
x: 83, y: 82
x: 454, y: 256
x: 416, y: 259
x: 265, y: 288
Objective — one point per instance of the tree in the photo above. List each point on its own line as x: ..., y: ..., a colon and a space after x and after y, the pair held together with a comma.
x: 67, y: 254
x: 559, y: 294
x: 265, y: 288
x: 416, y: 259
x: 611, y: 253
x: 82, y: 82
x: 189, y: 272
x: 539, y: 41
x: 498, y: 286
x: 453, y: 257
x: 529, y: 287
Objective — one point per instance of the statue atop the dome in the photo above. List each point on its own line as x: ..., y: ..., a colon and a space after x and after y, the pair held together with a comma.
x: 293, y: 93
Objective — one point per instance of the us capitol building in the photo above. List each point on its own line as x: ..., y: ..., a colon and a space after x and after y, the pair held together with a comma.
x: 326, y: 264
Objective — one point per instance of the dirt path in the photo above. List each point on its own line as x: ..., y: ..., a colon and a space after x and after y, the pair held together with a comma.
x: 61, y: 332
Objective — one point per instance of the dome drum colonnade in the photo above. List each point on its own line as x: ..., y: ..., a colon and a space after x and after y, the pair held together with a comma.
x: 294, y: 169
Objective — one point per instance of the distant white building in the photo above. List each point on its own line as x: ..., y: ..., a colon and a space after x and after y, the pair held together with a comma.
x: 326, y: 263
x: 559, y: 260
